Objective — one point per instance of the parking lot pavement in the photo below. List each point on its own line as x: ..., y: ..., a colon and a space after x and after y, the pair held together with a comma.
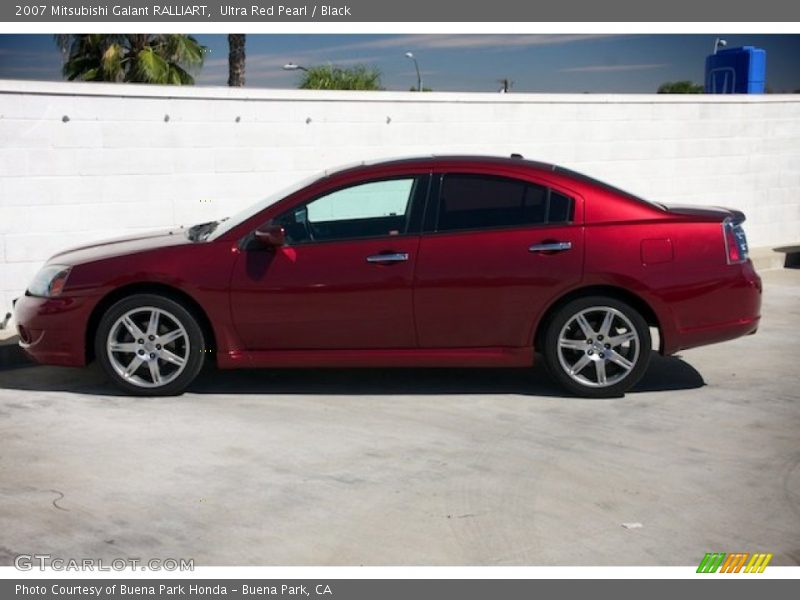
x: 415, y: 467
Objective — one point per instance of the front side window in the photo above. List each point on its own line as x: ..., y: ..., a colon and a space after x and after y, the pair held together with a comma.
x: 373, y: 209
x: 485, y: 202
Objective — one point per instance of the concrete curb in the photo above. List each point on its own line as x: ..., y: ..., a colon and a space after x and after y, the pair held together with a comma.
x: 765, y: 258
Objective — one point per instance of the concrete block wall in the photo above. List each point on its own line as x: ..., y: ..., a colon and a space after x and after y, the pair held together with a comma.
x: 82, y: 162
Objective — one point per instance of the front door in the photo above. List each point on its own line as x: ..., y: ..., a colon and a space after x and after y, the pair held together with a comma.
x: 344, y: 278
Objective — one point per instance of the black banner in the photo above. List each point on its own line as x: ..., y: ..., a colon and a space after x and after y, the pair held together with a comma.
x: 393, y: 589
x: 345, y: 11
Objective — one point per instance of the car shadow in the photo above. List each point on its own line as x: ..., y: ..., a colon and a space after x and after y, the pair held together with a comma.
x: 663, y: 374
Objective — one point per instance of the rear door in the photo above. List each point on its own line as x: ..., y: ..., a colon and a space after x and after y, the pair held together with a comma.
x: 495, y: 251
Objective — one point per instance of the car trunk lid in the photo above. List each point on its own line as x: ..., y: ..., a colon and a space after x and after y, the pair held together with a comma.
x: 706, y: 213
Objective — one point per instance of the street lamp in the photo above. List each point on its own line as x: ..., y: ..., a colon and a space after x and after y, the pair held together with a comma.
x: 416, y: 66
x: 719, y: 43
x: 293, y: 67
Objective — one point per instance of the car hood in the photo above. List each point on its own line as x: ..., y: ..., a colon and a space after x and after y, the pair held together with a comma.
x: 130, y: 244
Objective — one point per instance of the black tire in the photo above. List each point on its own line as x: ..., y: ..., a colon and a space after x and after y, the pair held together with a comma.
x: 622, y: 365
x: 172, y: 316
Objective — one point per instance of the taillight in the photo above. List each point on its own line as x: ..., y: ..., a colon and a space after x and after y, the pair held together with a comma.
x: 735, y: 241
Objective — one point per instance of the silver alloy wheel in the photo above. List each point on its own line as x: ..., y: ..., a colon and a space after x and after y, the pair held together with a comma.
x: 598, y: 347
x: 148, y: 347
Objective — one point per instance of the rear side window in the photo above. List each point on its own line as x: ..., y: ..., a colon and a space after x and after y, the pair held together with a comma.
x: 485, y: 202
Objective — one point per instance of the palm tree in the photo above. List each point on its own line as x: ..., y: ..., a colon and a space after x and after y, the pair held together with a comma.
x: 136, y: 58
x: 236, y: 59
x: 680, y: 87
x: 331, y: 77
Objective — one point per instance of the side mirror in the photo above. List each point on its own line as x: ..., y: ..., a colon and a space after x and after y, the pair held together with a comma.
x: 271, y: 236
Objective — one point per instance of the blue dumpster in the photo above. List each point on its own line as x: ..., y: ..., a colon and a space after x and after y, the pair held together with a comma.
x: 737, y: 71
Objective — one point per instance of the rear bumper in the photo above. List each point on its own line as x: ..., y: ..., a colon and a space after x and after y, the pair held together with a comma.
x: 52, y: 331
x: 733, y: 310
x: 713, y: 334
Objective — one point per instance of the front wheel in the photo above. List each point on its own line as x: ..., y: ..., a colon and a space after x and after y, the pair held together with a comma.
x: 597, y: 347
x: 150, y: 345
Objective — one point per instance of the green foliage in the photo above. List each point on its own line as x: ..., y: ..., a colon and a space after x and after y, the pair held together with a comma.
x: 136, y: 58
x: 680, y: 87
x: 331, y: 77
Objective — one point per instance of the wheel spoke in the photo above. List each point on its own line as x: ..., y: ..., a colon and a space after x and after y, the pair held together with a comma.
x: 132, y: 327
x: 152, y: 324
x: 172, y: 358
x: 155, y: 372
x: 130, y: 347
x: 610, y: 338
x: 620, y: 360
x: 622, y: 338
x: 600, y: 365
x: 170, y: 337
x: 148, y: 350
x: 572, y: 344
x: 606, y: 326
x: 580, y: 365
x: 585, y: 326
x: 133, y: 366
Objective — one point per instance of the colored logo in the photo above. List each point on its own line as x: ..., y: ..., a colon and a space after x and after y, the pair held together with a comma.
x: 743, y: 562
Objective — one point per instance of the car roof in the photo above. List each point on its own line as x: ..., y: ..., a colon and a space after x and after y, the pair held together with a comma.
x: 432, y: 160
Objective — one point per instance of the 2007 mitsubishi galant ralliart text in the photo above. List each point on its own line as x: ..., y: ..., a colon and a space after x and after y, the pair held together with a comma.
x: 427, y: 262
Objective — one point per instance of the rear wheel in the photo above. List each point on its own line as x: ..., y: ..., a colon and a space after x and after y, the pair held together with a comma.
x: 150, y: 345
x: 597, y: 346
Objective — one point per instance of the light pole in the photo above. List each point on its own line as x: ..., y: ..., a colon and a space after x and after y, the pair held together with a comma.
x: 719, y: 43
x: 293, y: 67
x: 416, y: 66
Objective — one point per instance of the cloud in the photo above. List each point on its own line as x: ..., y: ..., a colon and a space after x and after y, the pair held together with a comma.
x: 26, y: 54
x: 264, y: 68
x: 468, y: 41
x: 276, y: 61
x: 268, y: 66
x: 613, y: 68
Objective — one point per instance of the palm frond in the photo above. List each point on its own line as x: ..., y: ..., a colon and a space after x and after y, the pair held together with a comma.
x: 145, y: 58
x: 149, y: 67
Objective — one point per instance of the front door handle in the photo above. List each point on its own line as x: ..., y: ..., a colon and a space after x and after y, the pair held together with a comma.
x: 550, y: 247
x: 389, y: 257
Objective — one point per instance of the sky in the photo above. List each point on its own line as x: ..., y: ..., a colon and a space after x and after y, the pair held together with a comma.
x: 458, y: 62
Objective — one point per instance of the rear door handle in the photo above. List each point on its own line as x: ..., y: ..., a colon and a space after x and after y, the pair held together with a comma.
x: 550, y: 247
x: 390, y: 257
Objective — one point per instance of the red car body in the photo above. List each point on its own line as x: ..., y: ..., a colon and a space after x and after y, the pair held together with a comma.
x: 463, y: 298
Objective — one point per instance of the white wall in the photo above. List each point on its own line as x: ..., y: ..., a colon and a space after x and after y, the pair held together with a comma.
x: 81, y: 162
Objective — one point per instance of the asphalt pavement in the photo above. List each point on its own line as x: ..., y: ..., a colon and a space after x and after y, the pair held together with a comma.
x: 415, y: 467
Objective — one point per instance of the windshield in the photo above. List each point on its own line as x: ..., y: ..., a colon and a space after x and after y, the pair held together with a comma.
x: 222, y: 227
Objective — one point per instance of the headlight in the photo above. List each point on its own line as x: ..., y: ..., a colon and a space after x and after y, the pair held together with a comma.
x: 49, y: 281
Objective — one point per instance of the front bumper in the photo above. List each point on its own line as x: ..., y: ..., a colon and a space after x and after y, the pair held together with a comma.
x: 52, y: 331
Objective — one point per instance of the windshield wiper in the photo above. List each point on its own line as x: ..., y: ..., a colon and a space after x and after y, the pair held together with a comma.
x: 201, y: 231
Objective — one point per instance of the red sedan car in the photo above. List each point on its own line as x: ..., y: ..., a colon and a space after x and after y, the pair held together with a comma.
x: 436, y: 261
